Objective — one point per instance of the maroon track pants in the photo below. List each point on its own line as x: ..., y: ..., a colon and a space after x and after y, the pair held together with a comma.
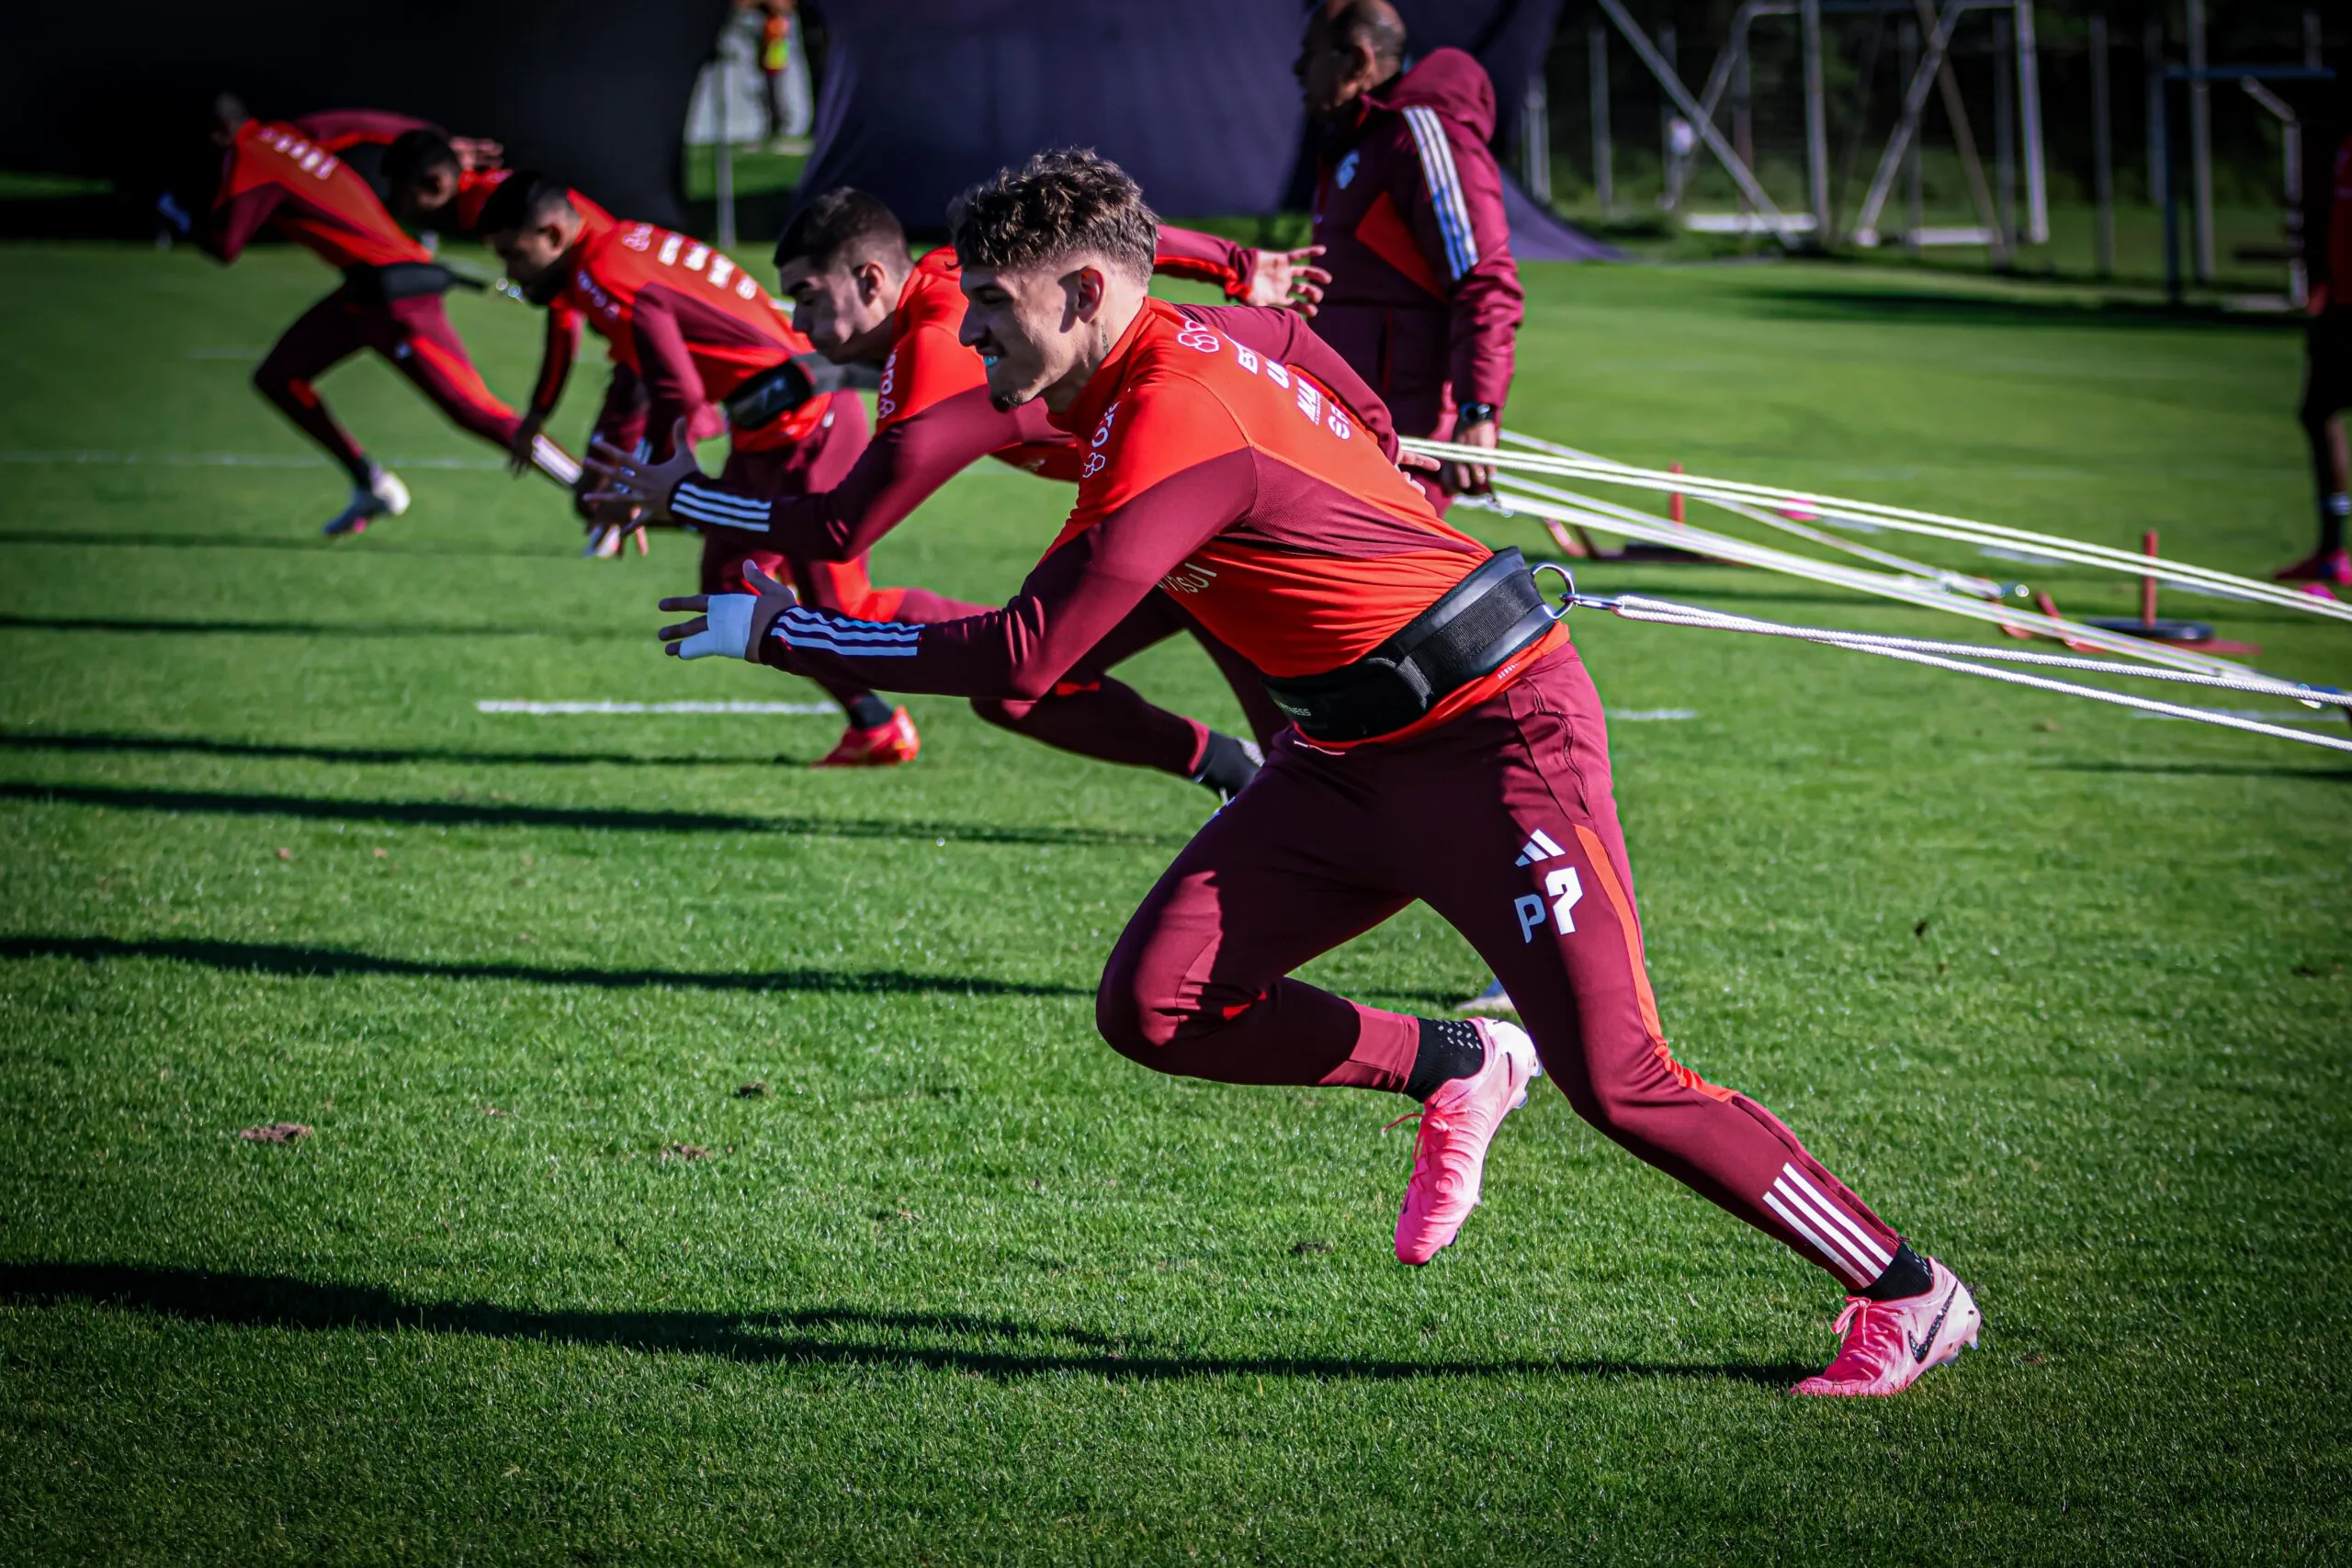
x: 414, y: 336
x: 1502, y: 821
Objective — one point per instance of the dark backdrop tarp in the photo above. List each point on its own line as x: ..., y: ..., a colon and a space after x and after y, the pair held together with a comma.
x: 593, y: 89
x: 922, y: 97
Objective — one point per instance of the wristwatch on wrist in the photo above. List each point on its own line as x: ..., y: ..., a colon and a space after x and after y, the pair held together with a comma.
x: 1475, y: 413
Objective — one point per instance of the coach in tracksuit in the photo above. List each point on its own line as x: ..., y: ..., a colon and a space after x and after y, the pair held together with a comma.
x: 1424, y: 298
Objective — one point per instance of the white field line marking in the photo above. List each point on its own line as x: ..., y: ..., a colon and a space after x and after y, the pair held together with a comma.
x: 516, y: 705
x: 2268, y: 716
x: 1643, y: 715
x: 231, y: 460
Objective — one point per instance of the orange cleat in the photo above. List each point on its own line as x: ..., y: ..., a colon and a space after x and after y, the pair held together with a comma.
x: 884, y: 746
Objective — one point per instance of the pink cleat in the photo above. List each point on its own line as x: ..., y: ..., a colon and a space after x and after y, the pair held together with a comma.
x: 1457, y: 1123
x: 1889, y: 1344
x: 2319, y: 569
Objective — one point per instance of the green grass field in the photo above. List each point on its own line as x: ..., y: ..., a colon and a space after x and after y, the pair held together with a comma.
x: 2063, y: 991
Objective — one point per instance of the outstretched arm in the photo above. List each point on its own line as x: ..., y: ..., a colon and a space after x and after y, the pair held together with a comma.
x: 340, y: 130
x: 1250, y: 277
x: 897, y: 472
x: 1086, y: 585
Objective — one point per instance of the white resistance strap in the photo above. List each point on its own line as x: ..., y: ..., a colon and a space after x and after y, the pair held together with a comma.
x: 2181, y: 574
x: 1955, y: 581
x: 1966, y: 659
x: 1513, y: 494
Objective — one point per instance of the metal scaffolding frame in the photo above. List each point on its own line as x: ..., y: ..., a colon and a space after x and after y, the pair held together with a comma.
x: 2251, y: 80
x: 1932, y: 68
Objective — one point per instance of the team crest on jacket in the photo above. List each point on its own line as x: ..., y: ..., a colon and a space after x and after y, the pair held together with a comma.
x: 1345, y: 172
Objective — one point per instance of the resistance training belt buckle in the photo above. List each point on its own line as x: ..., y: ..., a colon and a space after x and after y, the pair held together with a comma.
x: 1567, y: 584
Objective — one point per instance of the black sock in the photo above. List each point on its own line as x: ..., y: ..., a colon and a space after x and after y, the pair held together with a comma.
x: 1906, y: 1276
x: 2331, y: 524
x: 1225, y: 765
x: 869, y: 712
x: 1451, y: 1048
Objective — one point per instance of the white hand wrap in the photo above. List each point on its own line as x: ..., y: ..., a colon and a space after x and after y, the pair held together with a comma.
x: 729, y: 631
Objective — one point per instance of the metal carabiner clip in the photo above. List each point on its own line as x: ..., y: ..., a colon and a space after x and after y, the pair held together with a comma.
x: 1568, y: 600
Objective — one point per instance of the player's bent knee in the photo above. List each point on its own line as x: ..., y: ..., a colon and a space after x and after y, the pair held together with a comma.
x: 1004, y: 713
x: 1135, y: 1017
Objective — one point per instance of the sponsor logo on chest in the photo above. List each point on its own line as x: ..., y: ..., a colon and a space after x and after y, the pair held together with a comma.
x: 1311, y: 404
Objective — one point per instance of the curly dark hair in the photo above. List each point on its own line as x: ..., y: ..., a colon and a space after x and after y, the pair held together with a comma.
x: 1056, y: 204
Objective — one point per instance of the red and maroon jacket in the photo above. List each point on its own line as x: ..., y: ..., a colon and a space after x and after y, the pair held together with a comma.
x: 289, y: 176
x: 1424, y: 298
x: 688, y: 325
x: 933, y: 417
x: 1221, y: 476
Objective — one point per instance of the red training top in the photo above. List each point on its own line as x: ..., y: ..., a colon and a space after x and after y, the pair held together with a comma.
x: 690, y: 324
x: 277, y: 172
x: 1219, y: 476
x: 933, y: 416
x: 1425, y: 299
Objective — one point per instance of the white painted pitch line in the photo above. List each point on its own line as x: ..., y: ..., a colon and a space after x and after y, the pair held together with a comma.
x: 544, y: 709
x: 2268, y: 716
x: 1648, y: 715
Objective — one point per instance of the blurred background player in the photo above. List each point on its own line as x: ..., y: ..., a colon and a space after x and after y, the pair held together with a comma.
x: 858, y: 296
x: 433, y: 188
x: 784, y: 73
x: 304, y: 178
x: 1424, y: 298
x: 2327, y: 379
x: 691, y: 327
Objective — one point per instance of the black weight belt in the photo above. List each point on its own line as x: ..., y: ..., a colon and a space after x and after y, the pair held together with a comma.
x: 778, y: 391
x: 401, y: 280
x: 1482, y: 621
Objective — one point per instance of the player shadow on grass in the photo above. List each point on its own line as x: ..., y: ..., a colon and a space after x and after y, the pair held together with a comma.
x: 306, y: 543
x: 811, y: 1335
x: 612, y: 819
x: 1954, y: 308
x: 133, y: 623
x: 208, y: 746
x: 329, y: 963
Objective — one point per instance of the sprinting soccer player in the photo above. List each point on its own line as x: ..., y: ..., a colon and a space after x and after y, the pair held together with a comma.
x: 293, y: 176
x: 1449, y: 746
x: 1424, y: 298
x: 691, y: 327
x: 844, y: 261
x: 433, y: 187
x: 2327, y: 385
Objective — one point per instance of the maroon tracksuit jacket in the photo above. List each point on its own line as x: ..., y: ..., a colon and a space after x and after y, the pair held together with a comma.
x: 1424, y: 298
x: 1241, y: 485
